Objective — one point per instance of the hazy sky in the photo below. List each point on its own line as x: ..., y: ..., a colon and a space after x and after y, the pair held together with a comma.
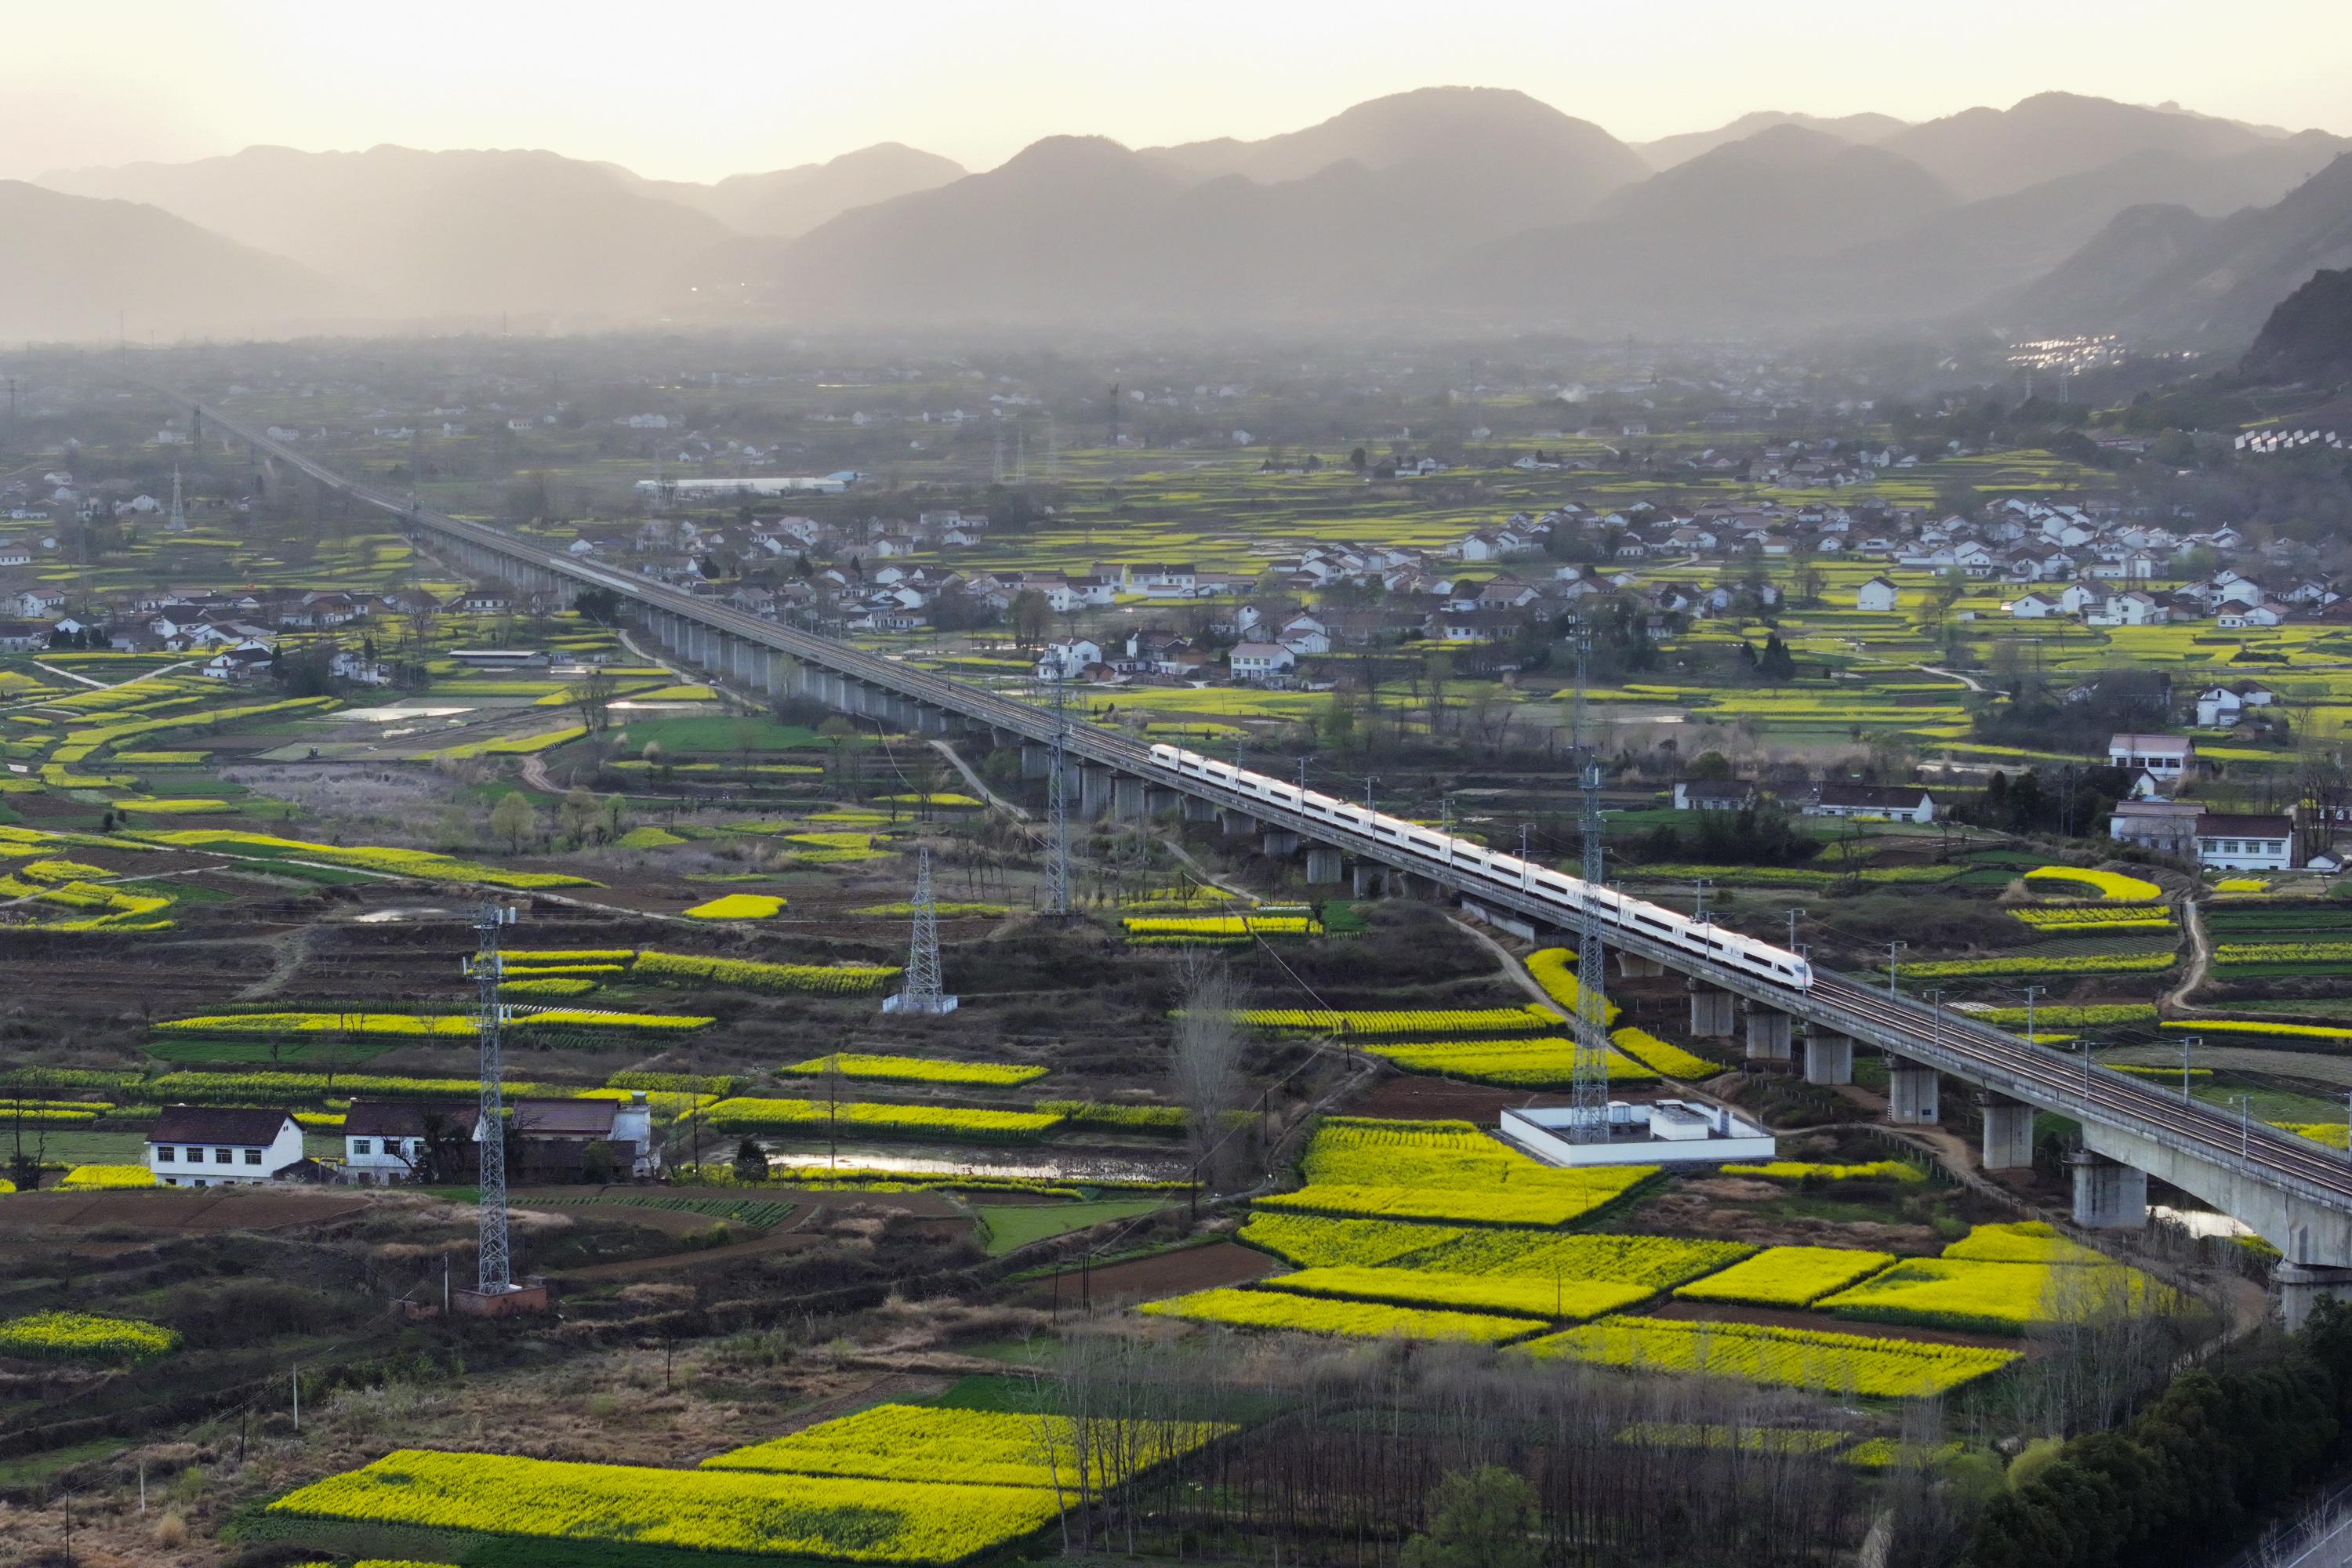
x: 698, y: 88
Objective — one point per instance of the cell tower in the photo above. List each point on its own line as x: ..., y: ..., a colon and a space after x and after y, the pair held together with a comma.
x: 1021, y: 455
x: 1589, y: 1096
x: 1111, y: 438
x: 492, y: 1275
x: 996, y: 457
x: 1053, y: 451
x: 1057, y: 807
x: 922, y: 993
x: 177, y: 522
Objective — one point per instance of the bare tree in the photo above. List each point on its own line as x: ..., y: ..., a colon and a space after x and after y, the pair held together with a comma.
x: 593, y: 698
x: 1205, y: 1066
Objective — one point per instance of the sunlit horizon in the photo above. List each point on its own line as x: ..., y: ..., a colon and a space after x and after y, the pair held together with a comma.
x: 700, y: 90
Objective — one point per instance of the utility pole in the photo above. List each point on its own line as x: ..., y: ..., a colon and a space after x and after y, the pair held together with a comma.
x: 1794, y: 914
x: 1698, y: 901
x: 1894, y: 956
x: 2031, y: 992
x: 2193, y: 1040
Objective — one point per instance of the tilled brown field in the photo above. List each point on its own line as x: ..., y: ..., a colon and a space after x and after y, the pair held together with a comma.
x: 1147, y: 1278
x: 213, y: 1208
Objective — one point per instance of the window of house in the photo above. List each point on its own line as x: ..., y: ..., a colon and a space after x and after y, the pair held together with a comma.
x: 163, y: 1154
x: 366, y: 1146
x: 253, y: 1156
x: 224, y: 1156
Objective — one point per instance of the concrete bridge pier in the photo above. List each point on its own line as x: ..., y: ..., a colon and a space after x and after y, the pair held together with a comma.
x: 1159, y: 800
x: 1634, y: 967
x: 1323, y: 866
x: 1094, y: 790
x: 2108, y: 1194
x: 1913, y: 1093
x: 2302, y: 1286
x: 1768, y: 1035
x: 1234, y: 824
x: 1829, y: 1058
x: 1279, y: 841
x: 1125, y: 797
x: 1199, y: 810
x: 1371, y: 878
x: 1037, y: 762
x: 2008, y: 1133
x: 1713, y: 1013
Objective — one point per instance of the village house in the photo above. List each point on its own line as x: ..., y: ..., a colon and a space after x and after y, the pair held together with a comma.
x: 2227, y: 842
x: 2168, y: 757
x: 222, y: 1145
x: 1877, y: 595
x: 558, y: 1140
x: 1068, y: 659
x: 1892, y: 803
x: 385, y: 1141
x: 2166, y: 826
x: 2222, y: 707
x: 1713, y: 794
x: 1262, y: 663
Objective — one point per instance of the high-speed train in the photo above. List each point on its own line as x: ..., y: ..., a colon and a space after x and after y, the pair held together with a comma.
x: 1761, y: 960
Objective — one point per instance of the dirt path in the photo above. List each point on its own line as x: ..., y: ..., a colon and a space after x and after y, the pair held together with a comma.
x: 2201, y: 960
x: 284, y: 965
x: 955, y: 761
x: 1970, y: 681
x: 1513, y: 969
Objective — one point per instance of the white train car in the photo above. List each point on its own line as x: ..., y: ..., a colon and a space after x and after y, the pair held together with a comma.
x: 1569, y: 894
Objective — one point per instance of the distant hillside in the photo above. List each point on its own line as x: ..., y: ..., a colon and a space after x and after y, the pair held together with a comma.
x: 413, y: 234
x: 1560, y: 164
x: 71, y: 268
x: 1784, y: 187
x: 786, y: 203
x: 2166, y: 273
x: 1319, y: 224
x: 2309, y: 335
x: 1990, y: 151
x: 1451, y: 204
x: 1668, y: 152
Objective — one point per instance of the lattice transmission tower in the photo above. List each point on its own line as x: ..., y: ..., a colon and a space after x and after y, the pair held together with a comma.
x: 1589, y: 1094
x: 492, y: 1272
x: 923, y: 991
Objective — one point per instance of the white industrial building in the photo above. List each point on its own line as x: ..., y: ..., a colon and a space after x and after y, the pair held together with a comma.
x: 1662, y: 1132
